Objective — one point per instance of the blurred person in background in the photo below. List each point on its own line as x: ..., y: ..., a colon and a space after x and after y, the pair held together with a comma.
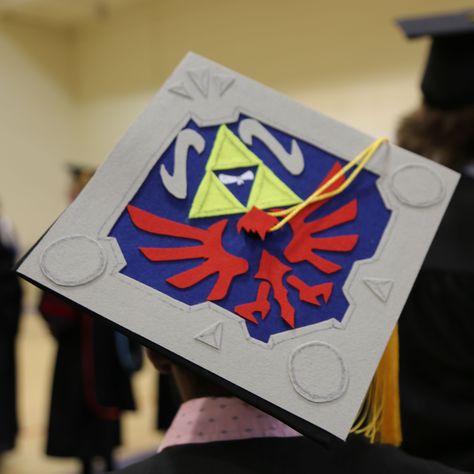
x: 92, y: 376
x: 10, y: 309
x: 437, y: 325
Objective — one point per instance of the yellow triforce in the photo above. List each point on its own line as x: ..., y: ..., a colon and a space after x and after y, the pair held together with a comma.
x: 214, y: 199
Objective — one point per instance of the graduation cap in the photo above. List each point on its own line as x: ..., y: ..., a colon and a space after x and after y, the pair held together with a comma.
x: 259, y: 243
x: 448, y: 81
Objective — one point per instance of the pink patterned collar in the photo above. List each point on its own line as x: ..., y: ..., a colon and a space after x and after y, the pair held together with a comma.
x: 207, y: 420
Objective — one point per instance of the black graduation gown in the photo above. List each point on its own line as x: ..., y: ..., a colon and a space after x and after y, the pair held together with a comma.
x: 90, y: 386
x: 10, y: 308
x: 437, y: 343
x: 286, y: 456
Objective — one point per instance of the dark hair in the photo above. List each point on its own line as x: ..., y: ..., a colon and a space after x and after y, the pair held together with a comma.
x: 192, y: 385
x: 445, y: 136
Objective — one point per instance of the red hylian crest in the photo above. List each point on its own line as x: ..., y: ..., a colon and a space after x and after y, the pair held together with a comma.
x: 218, y: 243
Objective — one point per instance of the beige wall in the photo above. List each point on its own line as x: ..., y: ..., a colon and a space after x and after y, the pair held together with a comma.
x: 69, y: 95
x: 345, y: 58
x: 37, y: 125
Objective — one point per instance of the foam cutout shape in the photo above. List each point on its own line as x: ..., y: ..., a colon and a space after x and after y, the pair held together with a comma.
x: 229, y: 153
x: 181, y: 249
x: 218, y: 261
x: 260, y: 305
x: 310, y: 293
x: 273, y: 270
x: 257, y: 221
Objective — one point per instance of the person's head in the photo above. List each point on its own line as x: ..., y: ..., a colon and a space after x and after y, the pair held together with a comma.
x: 442, y: 128
x: 379, y: 415
x: 445, y: 136
x: 190, y: 385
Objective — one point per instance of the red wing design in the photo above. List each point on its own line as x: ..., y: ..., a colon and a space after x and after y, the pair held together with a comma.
x: 217, y: 259
x: 303, y: 245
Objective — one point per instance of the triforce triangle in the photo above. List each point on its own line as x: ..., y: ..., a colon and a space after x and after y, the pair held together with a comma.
x: 229, y: 152
x: 213, y: 198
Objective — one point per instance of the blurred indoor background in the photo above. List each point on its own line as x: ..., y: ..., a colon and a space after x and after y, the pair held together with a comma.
x: 75, y: 73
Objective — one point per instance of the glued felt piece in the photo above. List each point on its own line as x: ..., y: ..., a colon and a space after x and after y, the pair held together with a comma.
x: 293, y: 161
x: 268, y: 191
x: 190, y: 277
x: 186, y: 269
x: 294, y: 284
x: 177, y: 183
x: 217, y: 261
x: 273, y: 270
x: 302, y: 246
x: 260, y: 305
x: 257, y: 221
x: 310, y: 293
x: 213, y: 198
x: 239, y: 182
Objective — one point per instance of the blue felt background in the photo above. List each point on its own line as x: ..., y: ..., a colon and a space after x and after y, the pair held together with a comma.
x: 152, y: 196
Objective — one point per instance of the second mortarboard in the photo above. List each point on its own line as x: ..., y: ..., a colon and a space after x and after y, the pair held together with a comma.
x: 257, y: 242
x: 448, y: 80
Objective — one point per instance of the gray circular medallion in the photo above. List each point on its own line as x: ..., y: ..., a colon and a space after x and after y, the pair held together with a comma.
x: 317, y: 372
x: 73, y: 260
x: 417, y: 186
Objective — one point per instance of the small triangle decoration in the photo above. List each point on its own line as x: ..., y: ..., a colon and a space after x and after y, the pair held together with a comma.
x: 229, y: 152
x: 200, y: 77
x: 213, y: 198
x: 380, y: 287
x: 212, y: 336
x: 181, y: 90
x: 223, y: 83
x: 269, y: 191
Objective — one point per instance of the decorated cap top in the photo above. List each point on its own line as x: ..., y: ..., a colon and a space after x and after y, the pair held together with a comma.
x: 257, y: 242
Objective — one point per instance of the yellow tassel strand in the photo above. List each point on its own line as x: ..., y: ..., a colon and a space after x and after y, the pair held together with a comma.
x: 379, y: 416
x: 319, y: 195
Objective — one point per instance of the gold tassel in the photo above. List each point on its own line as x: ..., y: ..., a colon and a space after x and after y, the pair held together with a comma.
x: 379, y: 416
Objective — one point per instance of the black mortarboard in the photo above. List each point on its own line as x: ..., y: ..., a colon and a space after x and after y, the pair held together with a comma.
x: 448, y: 81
